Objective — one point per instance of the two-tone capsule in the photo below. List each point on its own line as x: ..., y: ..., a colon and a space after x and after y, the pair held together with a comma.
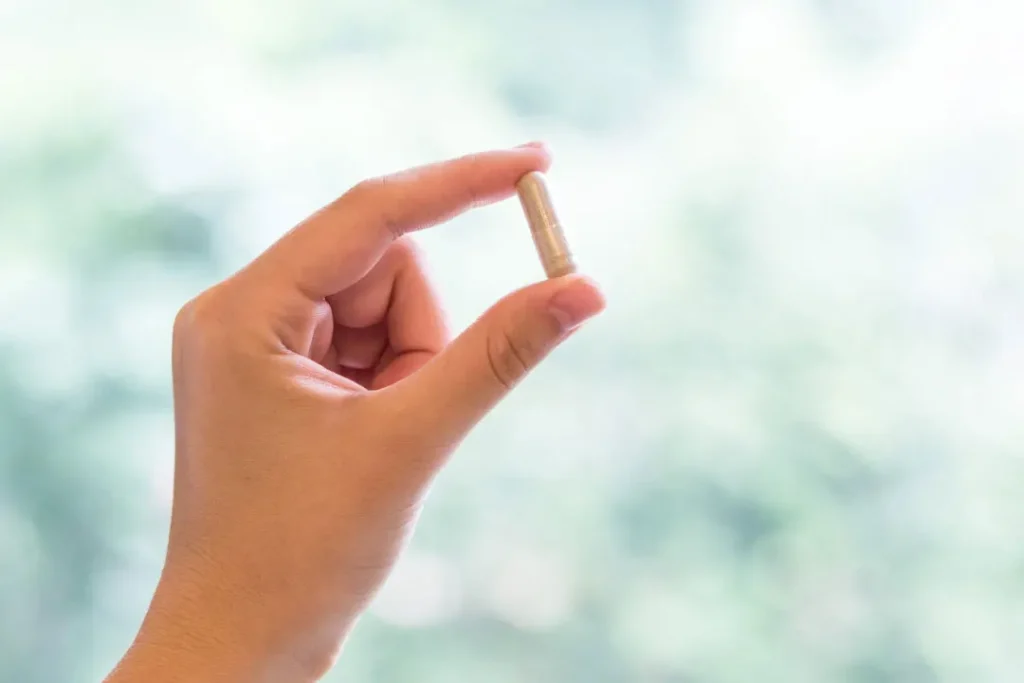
x: 544, y: 226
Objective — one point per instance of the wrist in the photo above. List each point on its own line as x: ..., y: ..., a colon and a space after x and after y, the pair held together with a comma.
x: 154, y: 661
x: 176, y: 645
x: 199, y: 630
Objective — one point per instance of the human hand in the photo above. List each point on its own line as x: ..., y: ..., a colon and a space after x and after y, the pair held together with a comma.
x: 316, y: 396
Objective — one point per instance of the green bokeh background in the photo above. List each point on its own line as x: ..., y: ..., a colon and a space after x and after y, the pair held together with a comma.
x: 792, y: 449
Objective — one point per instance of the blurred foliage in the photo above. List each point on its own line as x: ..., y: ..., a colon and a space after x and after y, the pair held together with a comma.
x: 789, y: 451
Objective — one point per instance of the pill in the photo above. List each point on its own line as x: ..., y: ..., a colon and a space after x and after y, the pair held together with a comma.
x: 544, y: 226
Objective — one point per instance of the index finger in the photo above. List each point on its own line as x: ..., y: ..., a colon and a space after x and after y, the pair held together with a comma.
x: 339, y: 244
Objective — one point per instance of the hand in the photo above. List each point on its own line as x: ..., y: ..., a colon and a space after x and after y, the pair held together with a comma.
x: 316, y: 397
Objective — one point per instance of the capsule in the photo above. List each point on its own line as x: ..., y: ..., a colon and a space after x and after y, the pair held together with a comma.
x: 544, y: 226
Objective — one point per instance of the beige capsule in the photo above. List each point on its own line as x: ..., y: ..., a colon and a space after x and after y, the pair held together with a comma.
x: 544, y: 226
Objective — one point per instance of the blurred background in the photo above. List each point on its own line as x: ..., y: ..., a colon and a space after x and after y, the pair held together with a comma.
x: 793, y: 448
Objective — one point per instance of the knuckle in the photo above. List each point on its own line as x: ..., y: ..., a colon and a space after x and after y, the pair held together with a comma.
x: 363, y: 190
x: 509, y: 358
x: 372, y: 196
x: 473, y: 196
x: 359, y: 194
x: 203, y: 321
x: 183, y: 320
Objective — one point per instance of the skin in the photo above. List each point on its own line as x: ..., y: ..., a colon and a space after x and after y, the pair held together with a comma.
x: 316, y: 396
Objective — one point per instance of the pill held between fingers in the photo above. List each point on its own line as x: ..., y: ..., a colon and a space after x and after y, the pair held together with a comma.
x: 544, y: 226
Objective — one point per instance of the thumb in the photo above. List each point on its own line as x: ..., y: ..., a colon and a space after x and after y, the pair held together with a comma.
x: 450, y: 394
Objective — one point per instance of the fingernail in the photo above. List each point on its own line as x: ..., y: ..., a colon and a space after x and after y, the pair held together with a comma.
x: 577, y: 301
x: 536, y: 144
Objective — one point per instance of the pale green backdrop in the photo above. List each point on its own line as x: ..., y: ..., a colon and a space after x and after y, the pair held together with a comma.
x: 793, y: 448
